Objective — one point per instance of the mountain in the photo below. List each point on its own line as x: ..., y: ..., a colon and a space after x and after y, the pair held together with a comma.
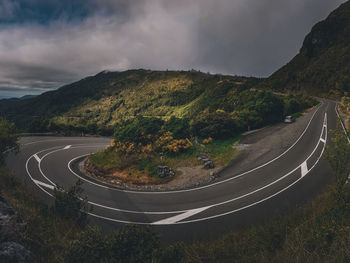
x: 109, y: 97
x: 26, y: 97
x: 323, y: 64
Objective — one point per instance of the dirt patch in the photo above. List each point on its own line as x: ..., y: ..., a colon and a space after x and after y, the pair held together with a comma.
x: 186, y: 177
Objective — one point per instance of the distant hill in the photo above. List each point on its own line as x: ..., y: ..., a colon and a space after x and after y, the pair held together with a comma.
x: 27, y: 97
x: 323, y: 63
x: 109, y: 97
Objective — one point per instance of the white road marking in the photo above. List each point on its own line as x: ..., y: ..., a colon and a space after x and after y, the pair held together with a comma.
x: 304, y: 169
x: 67, y: 147
x: 44, y: 184
x: 37, y: 158
x: 323, y: 140
x: 177, y: 218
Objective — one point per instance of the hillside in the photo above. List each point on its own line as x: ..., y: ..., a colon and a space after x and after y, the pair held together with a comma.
x: 109, y: 97
x: 323, y: 63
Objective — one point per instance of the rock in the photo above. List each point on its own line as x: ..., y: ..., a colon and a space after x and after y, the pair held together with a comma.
x: 171, y: 173
x: 209, y: 164
x: 11, y: 252
x: 10, y: 227
x: 163, y: 171
x: 204, y: 155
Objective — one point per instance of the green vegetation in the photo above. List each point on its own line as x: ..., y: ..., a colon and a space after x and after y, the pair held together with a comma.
x: 69, y: 204
x: 8, y: 137
x: 322, y: 66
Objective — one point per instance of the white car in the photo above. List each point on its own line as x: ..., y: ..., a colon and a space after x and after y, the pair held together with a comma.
x: 289, y: 119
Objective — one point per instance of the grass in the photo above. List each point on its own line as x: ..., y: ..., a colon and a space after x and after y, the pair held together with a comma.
x: 107, y: 159
x: 222, y: 152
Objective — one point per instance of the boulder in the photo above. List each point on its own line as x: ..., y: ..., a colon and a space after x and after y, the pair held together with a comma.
x: 12, y: 252
x: 163, y: 171
x: 209, y: 164
x: 10, y: 226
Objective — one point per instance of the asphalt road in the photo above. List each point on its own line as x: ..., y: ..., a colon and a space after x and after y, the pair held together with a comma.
x: 234, y: 200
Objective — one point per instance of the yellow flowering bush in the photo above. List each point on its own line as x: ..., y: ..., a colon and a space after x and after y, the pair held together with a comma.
x: 167, y: 143
x: 208, y: 140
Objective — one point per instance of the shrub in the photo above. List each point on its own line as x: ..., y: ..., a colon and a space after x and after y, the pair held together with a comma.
x: 8, y: 137
x: 218, y: 125
x: 70, y: 205
x: 138, y: 130
x: 180, y: 128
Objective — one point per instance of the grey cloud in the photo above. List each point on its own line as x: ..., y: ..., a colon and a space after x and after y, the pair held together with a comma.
x: 245, y: 37
x: 8, y: 9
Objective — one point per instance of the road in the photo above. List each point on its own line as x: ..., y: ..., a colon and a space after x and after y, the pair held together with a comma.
x: 234, y: 200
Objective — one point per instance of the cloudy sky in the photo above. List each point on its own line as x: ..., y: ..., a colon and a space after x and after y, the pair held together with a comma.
x: 47, y: 43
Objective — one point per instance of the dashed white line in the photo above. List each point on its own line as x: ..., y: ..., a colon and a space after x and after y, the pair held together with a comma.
x: 37, y: 158
x: 67, y: 147
x: 304, y: 169
x: 44, y: 184
x: 177, y: 218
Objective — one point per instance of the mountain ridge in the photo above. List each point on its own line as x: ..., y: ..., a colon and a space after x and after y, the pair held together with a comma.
x: 322, y: 65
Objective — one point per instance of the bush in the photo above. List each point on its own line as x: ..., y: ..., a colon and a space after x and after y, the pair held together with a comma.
x: 180, y: 128
x: 130, y: 244
x: 134, y: 244
x: 70, y: 205
x: 137, y: 130
x: 217, y: 125
x: 8, y: 137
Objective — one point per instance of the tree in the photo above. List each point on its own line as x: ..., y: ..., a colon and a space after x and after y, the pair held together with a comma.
x: 8, y: 137
x: 218, y: 125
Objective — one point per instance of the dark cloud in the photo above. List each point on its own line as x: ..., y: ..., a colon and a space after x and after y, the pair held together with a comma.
x: 46, y: 43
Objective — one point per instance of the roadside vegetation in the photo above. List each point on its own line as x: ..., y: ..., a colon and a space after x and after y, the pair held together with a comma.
x: 344, y: 107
